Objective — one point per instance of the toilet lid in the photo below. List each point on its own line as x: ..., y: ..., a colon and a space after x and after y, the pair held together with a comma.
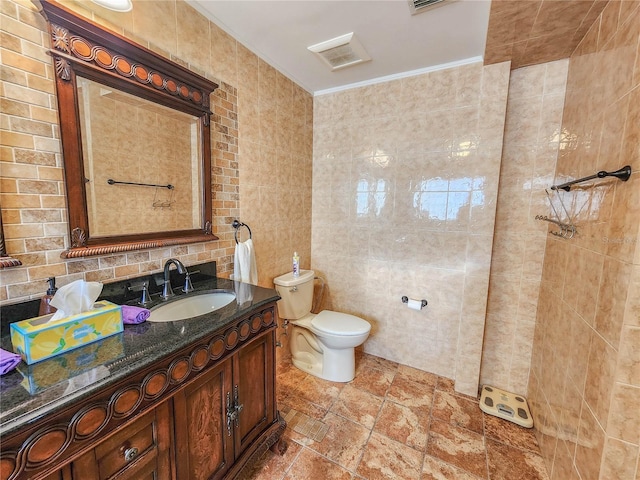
x: 340, y: 323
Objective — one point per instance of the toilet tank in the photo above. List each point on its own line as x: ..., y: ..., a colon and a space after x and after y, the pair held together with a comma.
x: 296, y: 293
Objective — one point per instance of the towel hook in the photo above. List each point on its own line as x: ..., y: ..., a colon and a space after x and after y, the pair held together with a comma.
x: 237, y: 224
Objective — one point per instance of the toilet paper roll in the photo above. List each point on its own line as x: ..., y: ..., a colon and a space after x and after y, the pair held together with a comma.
x: 414, y: 304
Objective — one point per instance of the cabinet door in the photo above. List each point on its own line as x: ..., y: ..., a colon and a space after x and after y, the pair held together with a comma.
x: 254, y: 379
x: 204, y: 449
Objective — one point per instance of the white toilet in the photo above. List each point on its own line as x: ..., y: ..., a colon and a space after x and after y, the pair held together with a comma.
x: 321, y: 344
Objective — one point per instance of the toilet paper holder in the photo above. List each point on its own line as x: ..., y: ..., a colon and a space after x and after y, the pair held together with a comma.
x: 405, y: 299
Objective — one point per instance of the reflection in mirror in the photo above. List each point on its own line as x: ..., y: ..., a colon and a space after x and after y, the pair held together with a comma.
x: 146, y: 182
x: 5, y: 260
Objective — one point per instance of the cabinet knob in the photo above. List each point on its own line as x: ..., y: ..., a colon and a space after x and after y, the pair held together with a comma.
x: 130, y: 454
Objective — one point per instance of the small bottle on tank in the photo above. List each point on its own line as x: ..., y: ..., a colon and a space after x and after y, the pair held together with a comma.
x: 296, y: 264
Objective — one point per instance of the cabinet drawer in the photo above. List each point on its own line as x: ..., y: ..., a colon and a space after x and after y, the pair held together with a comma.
x: 144, y: 467
x: 127, y: 446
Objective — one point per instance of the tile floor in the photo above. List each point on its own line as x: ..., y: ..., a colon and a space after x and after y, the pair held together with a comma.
x: 393, y: 422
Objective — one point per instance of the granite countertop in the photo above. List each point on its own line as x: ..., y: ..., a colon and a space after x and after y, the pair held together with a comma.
x: 31, y: 391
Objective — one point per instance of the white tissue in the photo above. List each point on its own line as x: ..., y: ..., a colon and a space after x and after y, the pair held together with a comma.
x: 414, y: 304
x: 74, y: 298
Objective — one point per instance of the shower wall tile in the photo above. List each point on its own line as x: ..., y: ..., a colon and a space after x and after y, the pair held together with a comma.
x: 593, y: 279
x: 632, y: 308
x: 625, y: 424
x: 590, y: 445
x: 620, y: 458
x: 612, y: 300
x: 268, y: 124
x: 600, y: 378
x: 404, y: 191
x: 629, y: 356
x: 519, y: 240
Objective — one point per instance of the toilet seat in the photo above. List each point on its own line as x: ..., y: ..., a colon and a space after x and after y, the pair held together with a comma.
x: 337, y: 323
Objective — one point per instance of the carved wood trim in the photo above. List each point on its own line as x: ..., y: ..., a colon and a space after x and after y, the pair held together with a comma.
x: 80, y: 44
x: 39, y: 449
x: 73, y: 48
x: 88, y: 251
x: 8, y: 262
x: 62, y: 67
x: 78, y: 238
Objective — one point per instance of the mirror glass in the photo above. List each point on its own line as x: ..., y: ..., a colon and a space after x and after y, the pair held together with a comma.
x: 142, y: 163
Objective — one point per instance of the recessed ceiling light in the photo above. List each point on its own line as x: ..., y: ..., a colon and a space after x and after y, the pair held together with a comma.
x: 341, y: 52
x: 115, y: 5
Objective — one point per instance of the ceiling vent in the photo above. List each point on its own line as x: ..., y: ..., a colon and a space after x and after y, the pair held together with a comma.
x: 419, y: 6
x: 341, y: 52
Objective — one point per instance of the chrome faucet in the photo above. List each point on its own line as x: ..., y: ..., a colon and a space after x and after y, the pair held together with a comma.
x: 167, y: 291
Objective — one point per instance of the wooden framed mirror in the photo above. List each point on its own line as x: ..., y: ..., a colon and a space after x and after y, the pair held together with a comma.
x: 136, y: 141
x: 5, y: 260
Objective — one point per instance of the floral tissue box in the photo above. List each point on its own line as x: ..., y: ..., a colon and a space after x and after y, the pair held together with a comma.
x: 37, y: 339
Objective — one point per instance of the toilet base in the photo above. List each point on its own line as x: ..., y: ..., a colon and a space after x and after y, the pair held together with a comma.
x: 307, y: 364
x: 312, y: 354
x: 334, y: 365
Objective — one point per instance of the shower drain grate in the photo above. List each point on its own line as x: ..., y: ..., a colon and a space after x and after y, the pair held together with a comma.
x: 304, y: 424
x: 505, y: 405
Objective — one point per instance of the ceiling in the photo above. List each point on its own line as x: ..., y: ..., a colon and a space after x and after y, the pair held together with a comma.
x: 451, y: 33
x: 398, y: 42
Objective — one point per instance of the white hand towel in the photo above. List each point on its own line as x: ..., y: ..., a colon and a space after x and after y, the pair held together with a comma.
x: 244, y: 266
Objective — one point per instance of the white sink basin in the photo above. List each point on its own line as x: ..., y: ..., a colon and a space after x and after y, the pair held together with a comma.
x: 192, y: 306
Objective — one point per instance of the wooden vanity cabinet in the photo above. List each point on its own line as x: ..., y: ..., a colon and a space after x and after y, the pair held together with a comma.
x: 222, y: 412
x: 207, y: 411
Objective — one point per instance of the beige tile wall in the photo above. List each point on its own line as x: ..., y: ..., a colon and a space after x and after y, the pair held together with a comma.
x: 532, y: 133
x: 405, y: 179
x: 263, y: 121
x: 277, y: 154
x: 585, y: 384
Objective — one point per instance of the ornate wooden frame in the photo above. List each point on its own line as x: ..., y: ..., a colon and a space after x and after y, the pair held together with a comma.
x: 5, y: 260
x: 82, y: 47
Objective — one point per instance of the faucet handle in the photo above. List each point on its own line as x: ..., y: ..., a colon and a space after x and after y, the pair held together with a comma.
x: 146, y: 298
x: 143, y: 287
x: 188, y: 287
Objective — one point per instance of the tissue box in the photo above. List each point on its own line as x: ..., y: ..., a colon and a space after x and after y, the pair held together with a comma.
x: 37, y: 339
